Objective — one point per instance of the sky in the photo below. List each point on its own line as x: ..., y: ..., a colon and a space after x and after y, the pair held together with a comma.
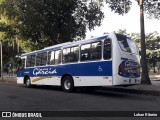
x: 130, y: 21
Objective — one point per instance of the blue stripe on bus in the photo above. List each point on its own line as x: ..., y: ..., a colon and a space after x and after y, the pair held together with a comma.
x: 101, y: 68
x: 101, y: 38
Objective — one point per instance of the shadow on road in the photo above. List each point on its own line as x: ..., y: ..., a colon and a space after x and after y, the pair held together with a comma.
x: 106, y: 92
x: 101, y: 91
x: 84, y: 91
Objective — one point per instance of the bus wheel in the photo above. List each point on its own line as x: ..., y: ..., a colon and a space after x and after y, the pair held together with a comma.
x: 28, y: 82
x: 67, y: 84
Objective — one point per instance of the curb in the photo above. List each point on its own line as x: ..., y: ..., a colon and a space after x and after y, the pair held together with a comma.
x: 9, y: 80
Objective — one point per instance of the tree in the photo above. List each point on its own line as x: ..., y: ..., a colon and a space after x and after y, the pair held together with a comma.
x: 153, y: 50
x: 145, y: 76
x: 152, y: 8
x: 49, y: 22
x: 152, y: 47
x: 119, y: 6
x: 123, y: 32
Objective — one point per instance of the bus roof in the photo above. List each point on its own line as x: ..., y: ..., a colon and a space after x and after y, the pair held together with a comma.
x: 67, y: 44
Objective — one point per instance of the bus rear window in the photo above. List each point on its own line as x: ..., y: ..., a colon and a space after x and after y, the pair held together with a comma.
x: 126, y: 44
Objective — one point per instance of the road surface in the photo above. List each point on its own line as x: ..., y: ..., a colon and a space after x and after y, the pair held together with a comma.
x: 15, y: 97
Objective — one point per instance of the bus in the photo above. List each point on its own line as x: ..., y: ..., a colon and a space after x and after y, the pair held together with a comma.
x: 108, y: 60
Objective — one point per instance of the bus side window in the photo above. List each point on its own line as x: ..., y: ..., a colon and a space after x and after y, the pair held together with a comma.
x: 85, y: 52
x: 107, y: 49
x: 41, y: 59
x: 74, y: 55
x: 70, y: 54
x: 66, y: 55
x: 30, y: 61
x: 51, y: 58
x: 38, y: 59
x: 96, y: 51
x: 44, y: 58
x: 57, y: 57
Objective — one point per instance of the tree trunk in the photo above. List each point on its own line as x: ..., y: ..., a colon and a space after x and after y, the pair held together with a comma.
x: 144, y: 77
x: 154, y: 65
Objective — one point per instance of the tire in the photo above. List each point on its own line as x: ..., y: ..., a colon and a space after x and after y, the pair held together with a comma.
x: 67, y: 84
x: 28, y: 82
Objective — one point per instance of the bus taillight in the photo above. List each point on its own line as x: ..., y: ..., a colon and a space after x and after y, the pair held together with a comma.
x: 120, y: 70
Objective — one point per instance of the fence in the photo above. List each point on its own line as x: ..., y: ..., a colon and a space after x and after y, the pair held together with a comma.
x: 9, y: 71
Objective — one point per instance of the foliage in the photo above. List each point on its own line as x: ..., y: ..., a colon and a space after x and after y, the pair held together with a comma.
x: 33, y: 24
x: 119, y: 6
x: 152, y: 46
x: 122, y: 31
x: 152, y: 8
x: 49, y: 22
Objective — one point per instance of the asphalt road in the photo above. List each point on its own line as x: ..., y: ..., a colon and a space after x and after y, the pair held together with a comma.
x: 20, y: 98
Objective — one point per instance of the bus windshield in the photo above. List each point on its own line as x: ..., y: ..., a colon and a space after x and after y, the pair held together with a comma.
x: 21, y: 64
x: 126, y: 44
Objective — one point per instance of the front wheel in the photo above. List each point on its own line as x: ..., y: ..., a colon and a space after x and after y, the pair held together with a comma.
x: 67, y: 84
x: 28, y: 82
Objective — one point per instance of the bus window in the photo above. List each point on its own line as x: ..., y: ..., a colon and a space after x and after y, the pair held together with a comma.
x: 51, y: 58
x: 74, y: 55
x: 70, y: 54
x: 44, y: 58
x: 85, y: 52
x: 38, y: 60
x: 133, y: 46
x: 21, y: 64
x: 107, y: 49
x: 48, y: 57
x: 66, y: 55
x: 122, y: 40
x: 58, y: 57
x: 41, y: 59
x: 96, y: 51
x: 30, y: 61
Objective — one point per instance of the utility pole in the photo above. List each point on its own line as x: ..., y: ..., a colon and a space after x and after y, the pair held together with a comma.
x: 145, y: 76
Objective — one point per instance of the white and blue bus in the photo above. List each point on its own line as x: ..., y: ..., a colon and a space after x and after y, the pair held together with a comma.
x: 108, y: 60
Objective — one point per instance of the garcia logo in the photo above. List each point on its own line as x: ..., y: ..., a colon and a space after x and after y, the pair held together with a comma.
x: 44, y: 71
x: 130, y: 64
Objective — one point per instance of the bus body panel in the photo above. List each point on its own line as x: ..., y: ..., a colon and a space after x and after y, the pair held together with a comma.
x: 93, y: 81
x: 20, y: 80
x: 84, y: 74
x: 120, y: 57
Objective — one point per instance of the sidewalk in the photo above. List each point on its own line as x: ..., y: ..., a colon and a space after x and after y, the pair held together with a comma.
x: 9, y: 79
x: 153, y: 89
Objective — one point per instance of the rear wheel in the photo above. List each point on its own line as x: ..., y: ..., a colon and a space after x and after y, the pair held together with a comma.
x: 67, y: 84
x: 28, y: 82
